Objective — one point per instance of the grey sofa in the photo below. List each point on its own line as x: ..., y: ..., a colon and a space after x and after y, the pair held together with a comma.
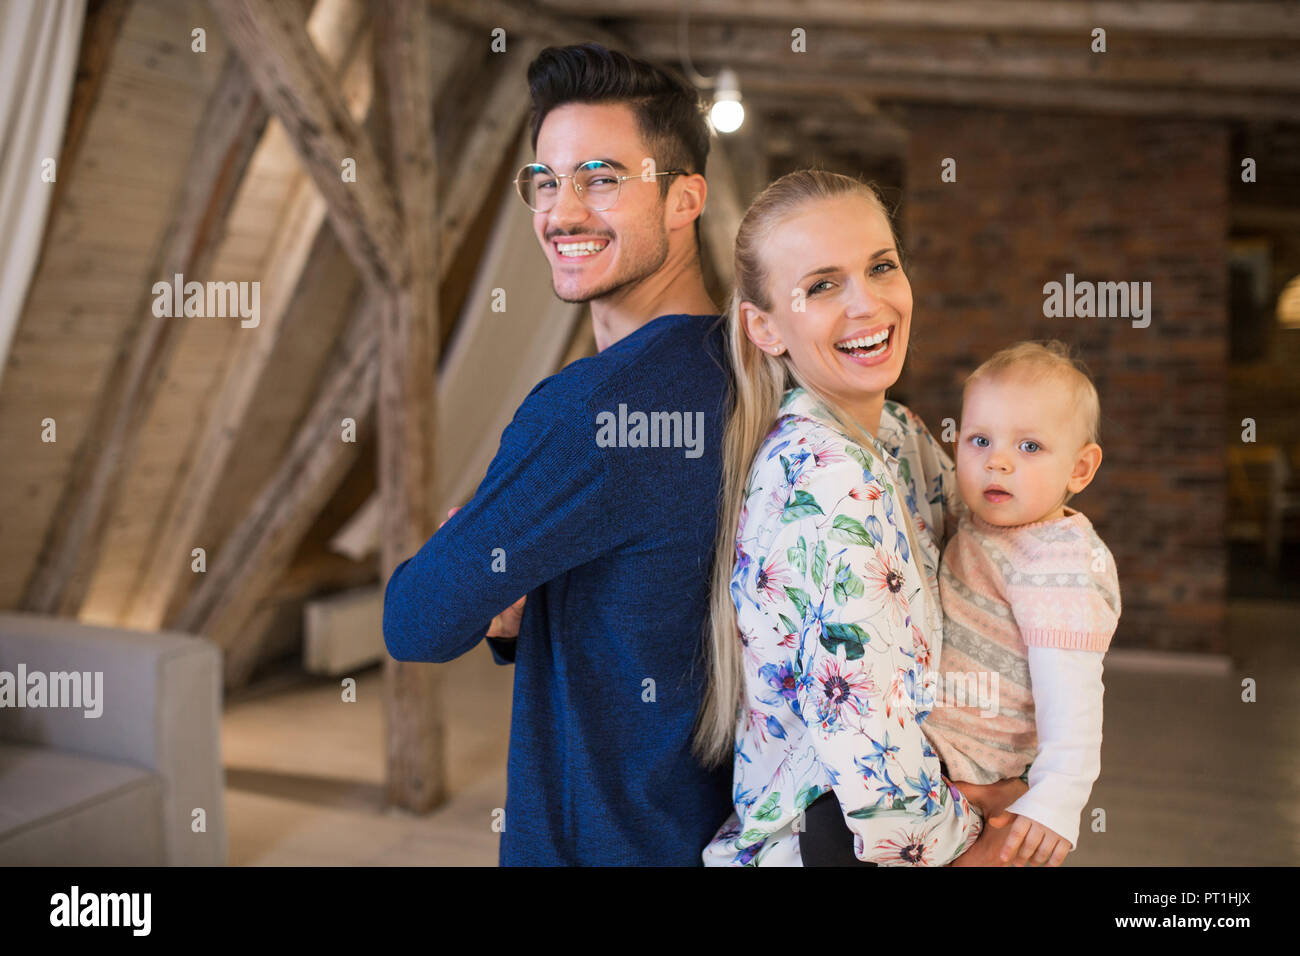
x: 120, y: 788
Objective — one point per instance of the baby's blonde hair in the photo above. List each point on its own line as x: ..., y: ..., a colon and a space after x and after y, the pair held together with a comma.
x: 1049, y: 360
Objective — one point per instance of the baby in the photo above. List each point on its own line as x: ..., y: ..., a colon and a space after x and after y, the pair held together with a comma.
x: 1030, y: 597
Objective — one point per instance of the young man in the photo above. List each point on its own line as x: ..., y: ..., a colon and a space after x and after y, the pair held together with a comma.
x: 600, y: 506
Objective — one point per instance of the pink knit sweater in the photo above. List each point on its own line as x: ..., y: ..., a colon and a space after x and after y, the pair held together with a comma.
x: 1049, y: 583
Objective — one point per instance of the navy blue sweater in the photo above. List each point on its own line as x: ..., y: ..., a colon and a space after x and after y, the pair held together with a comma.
x: 610, y: 537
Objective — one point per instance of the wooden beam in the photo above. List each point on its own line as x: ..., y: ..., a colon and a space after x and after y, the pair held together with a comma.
x: 1259, y: 19
x: 530, y: 20
x: 1160, y: 63
x: 723, y: 211
x: 296, y: 86
x: 194, y: 491
x: 251, y: 560
x: 311, y: 469
x: 103, y: 25
x: 470, y: 422
x: 414, y: 731
x: 1015, y: 94
x: 224, y: 142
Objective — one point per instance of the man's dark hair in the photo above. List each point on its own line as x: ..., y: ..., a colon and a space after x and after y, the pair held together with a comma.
x: 669, y: 111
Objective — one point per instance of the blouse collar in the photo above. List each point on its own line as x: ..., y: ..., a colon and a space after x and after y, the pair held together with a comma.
x: 888, y: 444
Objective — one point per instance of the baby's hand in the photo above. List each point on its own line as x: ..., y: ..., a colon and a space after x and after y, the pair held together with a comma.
x: 1030, y: 836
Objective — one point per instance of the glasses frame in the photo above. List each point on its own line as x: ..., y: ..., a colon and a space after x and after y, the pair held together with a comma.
x: 519, y: 185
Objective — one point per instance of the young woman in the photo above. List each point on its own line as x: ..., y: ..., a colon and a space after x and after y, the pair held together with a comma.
x: 826, y: 624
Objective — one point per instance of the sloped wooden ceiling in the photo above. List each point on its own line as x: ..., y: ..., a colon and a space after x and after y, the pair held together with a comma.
x: 163, y: 141
x: 93, y: 278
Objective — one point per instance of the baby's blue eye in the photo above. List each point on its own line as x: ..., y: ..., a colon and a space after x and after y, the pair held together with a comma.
x: 1029, y: 442
x: 977, y: 439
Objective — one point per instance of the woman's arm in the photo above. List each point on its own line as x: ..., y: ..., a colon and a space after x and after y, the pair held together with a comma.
x: 855, y: 611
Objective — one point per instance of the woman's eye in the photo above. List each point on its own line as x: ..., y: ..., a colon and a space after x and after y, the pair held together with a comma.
x: 1033, y: 446
x: 813, y: 290
x: 884, y: 263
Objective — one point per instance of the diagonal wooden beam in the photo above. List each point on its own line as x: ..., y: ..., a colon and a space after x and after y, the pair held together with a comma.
x: 197, y: 486
x: 224, y: 142
x: 227, y: 135
x: 246, y: 566
x: 212, y: 608
x: 311, y: 469
x: 296, y: 86
x: 104, y: 19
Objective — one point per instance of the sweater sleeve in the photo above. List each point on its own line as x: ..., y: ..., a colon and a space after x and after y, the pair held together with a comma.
x: 858, y: 605
x: 1068, y: 711
x: 1067, y: 596
x: 545, y: 506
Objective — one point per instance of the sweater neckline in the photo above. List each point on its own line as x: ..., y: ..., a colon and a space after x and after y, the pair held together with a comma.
x: 1071, y: 516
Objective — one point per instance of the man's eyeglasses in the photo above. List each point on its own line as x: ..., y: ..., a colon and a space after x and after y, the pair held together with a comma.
x: 597, y: 183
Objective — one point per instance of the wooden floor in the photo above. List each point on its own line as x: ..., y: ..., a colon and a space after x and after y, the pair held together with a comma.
x: 304, y: 774
x: 1191, y: 775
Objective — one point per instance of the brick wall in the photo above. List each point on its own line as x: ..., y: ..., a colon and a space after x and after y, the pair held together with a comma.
x: 1107, y: 199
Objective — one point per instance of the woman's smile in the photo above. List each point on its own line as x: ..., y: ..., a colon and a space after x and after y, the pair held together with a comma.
x: 873, y: 347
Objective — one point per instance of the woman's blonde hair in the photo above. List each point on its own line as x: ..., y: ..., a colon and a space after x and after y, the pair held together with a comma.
x: 758, y: 384
x: 1048, y: 360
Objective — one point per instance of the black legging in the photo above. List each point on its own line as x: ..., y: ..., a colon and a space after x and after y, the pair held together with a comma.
x: 825, y: 839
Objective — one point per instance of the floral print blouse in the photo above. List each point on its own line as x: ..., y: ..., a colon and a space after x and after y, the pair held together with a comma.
x: 840, y: 647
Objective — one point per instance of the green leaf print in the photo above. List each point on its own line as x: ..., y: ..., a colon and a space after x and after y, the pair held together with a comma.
x: 850, y: 636
x: 853, y: 586
x: 750, y: 837
x: 798, y: 556
x: 905, y: 471
x: 866, y: 813
x: 802, y: 506
x: 819, y: 564
x: 806, y: 795
x: 858, y: 454
x: 801, y: 600
x: 769, y: 810
x: 790, y: 626
x: 847, y: 584
x: 850, y: 531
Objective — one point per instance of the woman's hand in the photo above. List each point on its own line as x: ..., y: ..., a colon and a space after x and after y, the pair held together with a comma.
x: 988, y: 846
x: 1028, y: 835
x: 505, y: 624
x: 992, y: 799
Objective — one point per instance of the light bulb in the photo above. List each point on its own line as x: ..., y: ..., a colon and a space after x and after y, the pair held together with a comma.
x: 727, y: 115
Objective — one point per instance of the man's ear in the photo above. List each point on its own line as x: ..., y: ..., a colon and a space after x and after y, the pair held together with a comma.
x: 690, y: 200
x: 1086, y: 463
x: 759, y: 327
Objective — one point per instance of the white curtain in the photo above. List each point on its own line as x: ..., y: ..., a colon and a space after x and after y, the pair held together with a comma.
x: 39, y: 43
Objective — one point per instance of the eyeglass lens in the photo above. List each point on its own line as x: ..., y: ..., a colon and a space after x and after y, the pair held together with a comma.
x: 597, y: 184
